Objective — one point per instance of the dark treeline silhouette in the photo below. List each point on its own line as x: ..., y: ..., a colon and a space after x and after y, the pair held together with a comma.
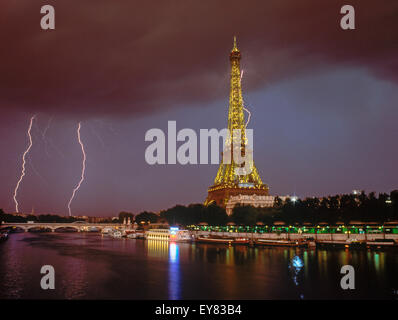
x: 145, y: 217
x: 331, y: 209
x: 194, y: 214
x: 39, y: 218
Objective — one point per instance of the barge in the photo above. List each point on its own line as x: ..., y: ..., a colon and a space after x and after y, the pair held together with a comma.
x: 223, y: 240
x: 280, y: 243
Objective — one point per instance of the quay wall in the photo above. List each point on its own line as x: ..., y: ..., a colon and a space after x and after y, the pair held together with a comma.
x: 296, y: 236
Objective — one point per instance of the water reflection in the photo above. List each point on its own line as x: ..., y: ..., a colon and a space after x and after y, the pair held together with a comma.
x: 157, y: 248
x: 295, y: 266
x: 377, y: 261
x: 102, y: 268
x: 12, y: 282
x: 75, y: 281
x: 174, y: 272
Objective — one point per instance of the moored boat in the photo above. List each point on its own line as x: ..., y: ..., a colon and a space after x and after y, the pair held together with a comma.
x: 3, y: 236
x: 280, y: 243
x: 381, y: 243
x: 173, y: 234
x: 241, y: 241
x: 215, y: 239
x: 131, y: 235
x: 106, y: 230
x: 115, y: 234
x: 349, y: 243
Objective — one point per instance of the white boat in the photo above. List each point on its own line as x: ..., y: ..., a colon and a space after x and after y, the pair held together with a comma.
x: 116, y: 234
x: 106, y: 230
x: 3, y: 236
x: 172, y: 234
x: 131, y: 235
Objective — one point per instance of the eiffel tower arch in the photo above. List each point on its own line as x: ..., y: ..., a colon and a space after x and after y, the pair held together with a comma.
x: 227, y: 182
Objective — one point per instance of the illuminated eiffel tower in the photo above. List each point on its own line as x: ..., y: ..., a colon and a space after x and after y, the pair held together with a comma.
x: 227, y: 183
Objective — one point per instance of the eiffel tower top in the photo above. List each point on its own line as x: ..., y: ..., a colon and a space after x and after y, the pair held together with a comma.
x: 236, y: 118
x: 235, y: 48
x: 235, y: 53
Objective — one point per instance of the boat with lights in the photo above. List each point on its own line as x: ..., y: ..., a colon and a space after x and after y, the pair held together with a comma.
x: 171, y: 234
x: 381, y: 243
x: 214, y: 239
x: 280, y: 243
x: 351, y: 243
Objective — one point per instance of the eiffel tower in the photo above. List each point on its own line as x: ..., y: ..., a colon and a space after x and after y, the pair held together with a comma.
x: 227, y: 183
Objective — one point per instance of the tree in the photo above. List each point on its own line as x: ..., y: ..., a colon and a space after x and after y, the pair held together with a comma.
x: 2, y: 215
x: 244, y: 215
x: 394, y: 203
x: 146, y: 217
x: 177, y: 215
x: 215, y: 215
x: 278, y: 202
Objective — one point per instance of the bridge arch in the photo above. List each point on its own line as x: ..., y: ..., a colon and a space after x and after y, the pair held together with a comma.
x: 31, y: 228
x: 67, y: 228
x: 15, y: 227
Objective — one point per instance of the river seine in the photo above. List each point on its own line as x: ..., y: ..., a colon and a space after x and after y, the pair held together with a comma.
x: 92, y: 266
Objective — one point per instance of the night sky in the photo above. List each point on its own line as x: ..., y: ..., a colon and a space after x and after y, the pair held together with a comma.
x: 324, y: 101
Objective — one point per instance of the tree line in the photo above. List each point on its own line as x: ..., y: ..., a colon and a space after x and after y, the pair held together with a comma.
x: 331, y: 209
x: 46, y: 218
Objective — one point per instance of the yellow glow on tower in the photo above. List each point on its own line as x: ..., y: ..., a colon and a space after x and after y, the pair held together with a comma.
x: 226, y: 178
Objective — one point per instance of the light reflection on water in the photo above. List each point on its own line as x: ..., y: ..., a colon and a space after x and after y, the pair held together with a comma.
x: 296, y: 265
x: 174, y: 272
x: 89, y: 266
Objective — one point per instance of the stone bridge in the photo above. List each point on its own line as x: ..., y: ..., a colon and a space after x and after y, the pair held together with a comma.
x: 78, y: 226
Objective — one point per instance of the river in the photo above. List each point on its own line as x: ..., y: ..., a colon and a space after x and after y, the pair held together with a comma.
x: 92, y: 266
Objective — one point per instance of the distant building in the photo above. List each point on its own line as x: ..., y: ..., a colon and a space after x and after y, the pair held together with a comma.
x: 254, y: 200
x: 85, y: 218
x: 98, y: 219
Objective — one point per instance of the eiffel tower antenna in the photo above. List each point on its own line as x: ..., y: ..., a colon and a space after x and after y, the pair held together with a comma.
x: 235, y: 46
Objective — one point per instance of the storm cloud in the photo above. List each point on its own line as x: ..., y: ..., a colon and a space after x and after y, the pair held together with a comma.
x: 135, y: 57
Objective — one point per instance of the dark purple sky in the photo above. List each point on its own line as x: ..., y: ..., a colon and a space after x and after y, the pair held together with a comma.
x: 323, y: 100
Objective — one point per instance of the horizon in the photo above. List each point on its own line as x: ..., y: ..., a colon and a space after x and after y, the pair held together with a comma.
x: 193, y: 203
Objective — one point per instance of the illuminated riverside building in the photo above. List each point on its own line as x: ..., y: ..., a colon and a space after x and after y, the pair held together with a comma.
x: 251, y: 200
x: 227, y: 183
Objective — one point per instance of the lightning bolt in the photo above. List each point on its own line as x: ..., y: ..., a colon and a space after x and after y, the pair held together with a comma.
x: 83, y: 169
x: 96, y: 134
x: 43, y: 136
x: 24, y: 163
x: 48, y: 141
x: 37, y: 172
x: 243, y: 106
